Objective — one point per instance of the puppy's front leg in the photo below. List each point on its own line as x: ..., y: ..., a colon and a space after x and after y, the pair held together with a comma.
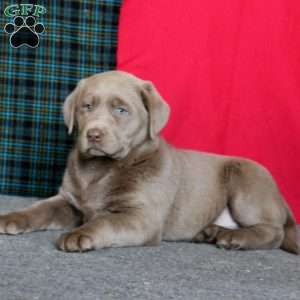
x: 112, y: 230
x: 52, y: 213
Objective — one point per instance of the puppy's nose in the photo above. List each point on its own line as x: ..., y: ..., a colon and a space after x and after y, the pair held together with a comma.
x: 94, y: 135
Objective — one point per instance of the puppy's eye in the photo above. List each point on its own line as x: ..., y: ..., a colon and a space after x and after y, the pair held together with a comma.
x: 87, y: 107
x: 121, y: 111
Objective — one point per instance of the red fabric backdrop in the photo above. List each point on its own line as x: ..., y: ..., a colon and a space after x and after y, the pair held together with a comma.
x: 230, y: 71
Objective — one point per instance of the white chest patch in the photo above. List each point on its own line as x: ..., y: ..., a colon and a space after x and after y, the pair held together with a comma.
x: 225, y: 220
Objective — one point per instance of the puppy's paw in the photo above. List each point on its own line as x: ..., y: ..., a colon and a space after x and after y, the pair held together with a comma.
x: 207, y: 235
x: 75, y: 241
x: 13, y: 223
x: 230, y: 240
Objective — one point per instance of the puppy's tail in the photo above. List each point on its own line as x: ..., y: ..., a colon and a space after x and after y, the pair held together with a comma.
x: 290, y: 235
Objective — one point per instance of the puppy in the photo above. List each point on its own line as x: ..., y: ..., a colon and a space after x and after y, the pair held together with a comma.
x: 125, y: 186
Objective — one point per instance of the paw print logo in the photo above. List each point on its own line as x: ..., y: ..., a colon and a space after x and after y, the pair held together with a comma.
x: 24, y: 32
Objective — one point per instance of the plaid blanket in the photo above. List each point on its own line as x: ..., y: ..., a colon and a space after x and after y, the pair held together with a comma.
x: 44, y: 50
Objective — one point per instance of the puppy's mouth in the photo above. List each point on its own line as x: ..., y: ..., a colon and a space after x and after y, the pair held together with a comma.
x: 96, y: 151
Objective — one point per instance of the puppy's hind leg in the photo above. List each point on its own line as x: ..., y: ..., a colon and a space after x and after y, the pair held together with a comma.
x: 261, y: 236
x: 255, y: 205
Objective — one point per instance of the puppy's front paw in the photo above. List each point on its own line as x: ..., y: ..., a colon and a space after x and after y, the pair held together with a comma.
x: 76, y: 241
x: 13, y: 223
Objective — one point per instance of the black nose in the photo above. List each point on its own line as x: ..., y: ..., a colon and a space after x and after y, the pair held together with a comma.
x: 94, y: 135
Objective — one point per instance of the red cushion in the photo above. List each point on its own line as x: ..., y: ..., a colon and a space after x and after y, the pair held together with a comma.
x: 230, y: 71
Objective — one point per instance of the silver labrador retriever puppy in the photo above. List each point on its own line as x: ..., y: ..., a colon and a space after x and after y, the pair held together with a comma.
x: 125, y: 186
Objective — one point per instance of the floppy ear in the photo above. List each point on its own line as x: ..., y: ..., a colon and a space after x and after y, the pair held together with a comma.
x: 157, y: 108
x: 69, y: 109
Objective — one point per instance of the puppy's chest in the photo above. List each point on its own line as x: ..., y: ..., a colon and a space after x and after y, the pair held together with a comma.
x: 99, y: 189
x: 92, y: 182
x: 90, y: 175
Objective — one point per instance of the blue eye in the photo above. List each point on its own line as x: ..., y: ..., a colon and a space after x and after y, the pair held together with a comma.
x: 121, y: 111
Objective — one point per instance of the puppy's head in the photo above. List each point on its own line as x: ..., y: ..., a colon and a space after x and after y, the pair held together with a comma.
x: 114, y: 112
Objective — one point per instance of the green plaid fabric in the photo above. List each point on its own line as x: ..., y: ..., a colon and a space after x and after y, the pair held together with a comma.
x: 79, y: 39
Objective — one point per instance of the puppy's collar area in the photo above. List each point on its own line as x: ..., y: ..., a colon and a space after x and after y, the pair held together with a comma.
x: 141, y: 153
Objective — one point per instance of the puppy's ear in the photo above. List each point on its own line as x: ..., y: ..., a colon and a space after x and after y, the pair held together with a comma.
x: 158, y: 109
x: 69, y: 109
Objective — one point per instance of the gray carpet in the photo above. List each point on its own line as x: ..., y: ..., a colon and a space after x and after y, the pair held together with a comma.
x: 32, y: 268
